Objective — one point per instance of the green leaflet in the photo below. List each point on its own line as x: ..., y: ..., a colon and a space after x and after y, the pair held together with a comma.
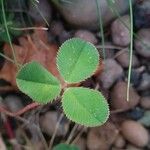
x: 85, y: 106
x: 65, y: 147
x: 38, y: 83
x: 77, y: 60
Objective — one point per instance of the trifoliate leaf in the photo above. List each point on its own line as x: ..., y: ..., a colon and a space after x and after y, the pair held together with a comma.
x: 85, y: 106
x: 77, y: 60
x: 35, y: 81
x: 65, y: 147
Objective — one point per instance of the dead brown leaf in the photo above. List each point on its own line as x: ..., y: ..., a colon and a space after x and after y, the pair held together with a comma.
x: 30, y: 47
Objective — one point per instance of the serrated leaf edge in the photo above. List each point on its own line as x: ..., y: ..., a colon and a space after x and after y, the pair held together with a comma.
x: 81, y: 123
x: 87, y: 76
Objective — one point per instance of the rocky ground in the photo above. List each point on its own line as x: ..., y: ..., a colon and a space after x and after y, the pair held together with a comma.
x: 129, y: 122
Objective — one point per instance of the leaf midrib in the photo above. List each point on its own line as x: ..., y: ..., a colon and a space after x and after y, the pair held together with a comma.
x: 85, y: 107
x: 74, y: 65
x: 38, y: 82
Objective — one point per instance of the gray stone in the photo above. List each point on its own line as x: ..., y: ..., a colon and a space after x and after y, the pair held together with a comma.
x: 84, y: 13
x: 120, y: 33
x: 112, y: 72
x: 143, y: 48
x: 40, y: 11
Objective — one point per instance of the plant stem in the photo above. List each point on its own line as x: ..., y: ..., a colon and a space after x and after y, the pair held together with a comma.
x: 72, y: 134
x: 55, y: 131
x: 131, y: 49
x: 8, y: 35
x: 100, y: 22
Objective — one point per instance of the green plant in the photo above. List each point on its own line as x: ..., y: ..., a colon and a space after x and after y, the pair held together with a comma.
x: 76, y: 60
x: 10, y: 23
x: 65, y: 147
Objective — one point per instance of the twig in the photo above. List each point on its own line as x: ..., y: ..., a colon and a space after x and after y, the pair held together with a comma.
x: 78, y: 136
x: 29, y: 28
x: 71, y: 133
x: 20, y: 112
x: 55, y: 131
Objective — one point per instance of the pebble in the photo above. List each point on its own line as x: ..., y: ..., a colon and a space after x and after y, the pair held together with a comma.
x: 135, y: 77
x: 86, y: 35
x: 119, y: 95
x: 102, y: 137
x: 123, y: 59
x: 48, y: 123
x: 83, y: 13
x: 136, y: 113
x: 44, y: 8
x: 142, y: 14
x: 135, y: 133
x: 56, y: 28
x: 145, y: 102
x: 112, y: 72
x: 145, y: 120
x: 145, y: 82
x: 120, y: 33
x: 65, y: 35
x: 143, y: 49
x: 120, y: 141
x: 13, y: 102
x: 81, y: 144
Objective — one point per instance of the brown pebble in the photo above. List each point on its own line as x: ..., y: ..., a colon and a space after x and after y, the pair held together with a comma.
x: 119, y: 142
x: 120, y: 33
x: 145, y: 102
x: 123, y: 59
x: 119, y: 96
x: 86, y: 35
x: 135, y: 133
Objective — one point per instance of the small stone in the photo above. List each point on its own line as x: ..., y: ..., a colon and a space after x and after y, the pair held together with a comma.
x: 81, y: 144
x: 86, y: 35
x: 112, y: 72
x: 45, y: 11
x: 123, y: 59
x: 135, y: 133
x: 145, y: 82
x: 143, y: 49
x: 142, y: 14
x: 101, y: 138
x: 119, y: 142
x: 56, y: 28
x: 120, y: 33
x: 48, y: 123
x: 84, y: 13
x: 119, y: 96
x: 135, y: 77
x: 136, y: 113
x: 145, y: 120
x: 64, y: 36
x: 13, y: 102
x: 145, y: 102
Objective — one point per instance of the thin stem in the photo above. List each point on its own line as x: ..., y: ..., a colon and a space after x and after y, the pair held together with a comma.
x: 131, y: 49
x: 8, y: 35
x: 55, y: 131
x: 72, y: 134
x: 100, y: 21
x: 40, y: 12
x: 78, y: 136
x: 20, y: 112
x: 114, y: 10
x: 29, y: 28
